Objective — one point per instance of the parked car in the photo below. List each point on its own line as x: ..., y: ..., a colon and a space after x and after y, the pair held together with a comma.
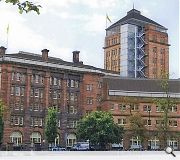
x: 81, y: 146
x: 136, y: 148
x: 57, y: 148
x: 117, y: 147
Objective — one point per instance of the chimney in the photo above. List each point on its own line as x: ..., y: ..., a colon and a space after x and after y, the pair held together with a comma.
x: 76, y: 56
x: 2, y: 51
x: 45, y: 54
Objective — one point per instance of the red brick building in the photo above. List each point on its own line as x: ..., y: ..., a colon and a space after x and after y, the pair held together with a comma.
x: 124, y: 97
x: 137, y: 47
x: 30, y: 83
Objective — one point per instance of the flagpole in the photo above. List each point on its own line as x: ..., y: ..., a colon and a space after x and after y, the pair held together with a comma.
x: 7, y: 38
x: 106, y: 21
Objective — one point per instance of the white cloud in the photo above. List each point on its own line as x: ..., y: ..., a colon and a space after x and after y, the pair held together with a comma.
x: 95, y: 23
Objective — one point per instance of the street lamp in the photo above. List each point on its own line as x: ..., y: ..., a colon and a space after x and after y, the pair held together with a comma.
x: 149, y: 110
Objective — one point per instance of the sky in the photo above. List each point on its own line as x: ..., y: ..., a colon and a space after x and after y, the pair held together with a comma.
x: 67, y: 25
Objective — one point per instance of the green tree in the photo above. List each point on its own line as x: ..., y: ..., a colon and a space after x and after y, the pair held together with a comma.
x: 1, y: 121
x: 100, y: 129
x: 164, y: 104
x: 25, y: 6
x: 136, y: 126
x: 51, y: 125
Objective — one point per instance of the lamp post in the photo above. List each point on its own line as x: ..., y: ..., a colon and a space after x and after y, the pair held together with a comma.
x: 149, y: 110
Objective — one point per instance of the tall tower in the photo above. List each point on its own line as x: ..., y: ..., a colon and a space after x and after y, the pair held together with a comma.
x: 137, y: 47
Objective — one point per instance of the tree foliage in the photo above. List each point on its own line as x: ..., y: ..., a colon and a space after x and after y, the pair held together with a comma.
x: 51, y: 125
x: 1, y: 121
x: 137, y: 126
x: 25, y: 6
x: 100, y: 129
x: 165, y: 104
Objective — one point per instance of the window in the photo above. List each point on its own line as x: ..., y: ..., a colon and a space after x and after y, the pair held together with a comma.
x: 173, y: 123
x: 50, y: 80
x: 72, y: 83
x: 154, y: 143
x: 36, y: 92
x: 22, y: 91
x: 59, y: 123
x: 35, y: 137
x: 134, y: 107
x: 159, y: 109
x: 173, y: 109
x: 135, y: 141
x: 18, y: 76
x: 121, y: 121
x: 59, y: 82
x: 41, y: 79
x: 89, y: 100
x: 72, y: 110
x: 57, y: 108
x: 72, y: 124
x: 56, y: 95
x: 17, y: 91
x: 99, y: 85
x: 36, y: 122
x: 71, y: 140
x: 13, y: 76
x: 99, y: 98
x: 89, y: 87
x: 32, y: 93
x: 36, y: 78
x: 36, y: 107
x: 147, y: 122
x: 68, y: 83
x: 73, y: 97
x: 55, y: 81
x: 159, y: 122
x: 41, y: 93
x: 173, y: 143
x: 57, y: 140
x: 16, y: 138
x: 147, y: 108
x: 122, y: 107
x: 17, y: 120
x: 12, y: 90
x: 76, y: 84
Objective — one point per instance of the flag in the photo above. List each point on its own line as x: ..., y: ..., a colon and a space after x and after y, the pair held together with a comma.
x: 7, y: 29
x: 107, y: 17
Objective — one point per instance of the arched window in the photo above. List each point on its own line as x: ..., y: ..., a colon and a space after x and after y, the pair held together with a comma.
x: 57, y: 140
x: 16, y: 138
x: 71, y: 140
x: 35, y: 137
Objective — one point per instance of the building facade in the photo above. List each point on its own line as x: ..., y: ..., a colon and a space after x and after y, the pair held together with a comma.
x: 137, y: 47
x: 124, y: 97
x: 31, y: 83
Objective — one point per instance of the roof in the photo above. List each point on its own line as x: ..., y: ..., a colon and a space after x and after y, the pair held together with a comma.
x: 135, y: 14
x: 38, y: 58
x: 146, y: 85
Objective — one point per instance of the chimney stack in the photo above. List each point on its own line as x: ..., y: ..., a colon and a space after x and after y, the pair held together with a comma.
x: 76, y: 56
x: 45, y: 54
x: 2, y: 51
